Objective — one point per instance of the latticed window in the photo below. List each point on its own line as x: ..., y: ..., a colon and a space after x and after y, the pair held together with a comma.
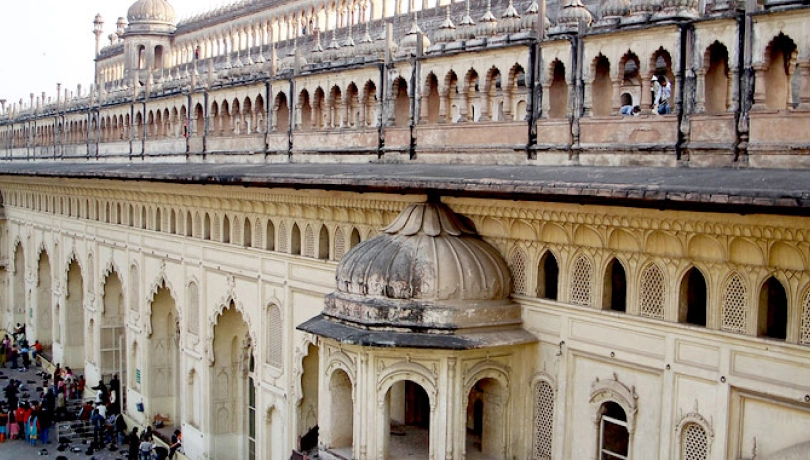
x: 694, y: 443
x: 283, y: 243
x: 309, y: 249
x: 653, y: 292
x: 581, y: 282
x: 543, y: 421
x: 340, y: 244
x: 274, y: 343
x: 735, y: 303
x: 257, y: 229
x: 805, y: 333
x: 518, y: 263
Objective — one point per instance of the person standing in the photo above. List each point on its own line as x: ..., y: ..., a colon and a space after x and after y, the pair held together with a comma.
x: 134, y: 443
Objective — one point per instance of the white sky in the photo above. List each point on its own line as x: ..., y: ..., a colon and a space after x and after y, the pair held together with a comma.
x: 50, y: 41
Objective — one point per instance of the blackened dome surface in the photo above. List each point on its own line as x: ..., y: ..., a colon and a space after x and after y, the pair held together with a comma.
x: 427, y: 253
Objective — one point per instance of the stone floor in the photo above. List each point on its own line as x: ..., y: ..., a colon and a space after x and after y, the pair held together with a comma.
x: 79, y: 435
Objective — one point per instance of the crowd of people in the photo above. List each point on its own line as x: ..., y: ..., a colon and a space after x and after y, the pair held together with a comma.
x: 28, y: 414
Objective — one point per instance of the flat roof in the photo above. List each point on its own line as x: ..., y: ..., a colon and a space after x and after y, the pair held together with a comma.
x: 737, y: 190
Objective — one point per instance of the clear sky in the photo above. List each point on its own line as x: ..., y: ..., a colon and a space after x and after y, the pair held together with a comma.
x: 45, y: 42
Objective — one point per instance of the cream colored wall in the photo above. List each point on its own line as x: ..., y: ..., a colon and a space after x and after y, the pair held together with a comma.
x: 738, y: 384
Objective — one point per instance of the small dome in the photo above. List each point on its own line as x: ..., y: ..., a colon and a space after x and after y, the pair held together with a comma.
x: 428, y: 270
x: 151, y: 11
x: 409, y: 42
x: 573, y: 13
x: 616, y: 8
x: 447, y: 30
x: 510, y: 20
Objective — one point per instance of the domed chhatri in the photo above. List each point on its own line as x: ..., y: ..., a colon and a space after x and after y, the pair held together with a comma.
x: 428, y: 272
x: 151, y: 11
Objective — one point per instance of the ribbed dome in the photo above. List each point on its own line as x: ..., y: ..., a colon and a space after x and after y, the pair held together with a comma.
x: 151, y: 11
x: 427, y: 253
x: 427, y: 270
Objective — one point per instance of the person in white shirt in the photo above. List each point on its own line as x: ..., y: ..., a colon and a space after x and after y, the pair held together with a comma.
x: 664, y: 94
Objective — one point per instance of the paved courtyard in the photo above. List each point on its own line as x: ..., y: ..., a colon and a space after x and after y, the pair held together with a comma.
x: 22, y: 450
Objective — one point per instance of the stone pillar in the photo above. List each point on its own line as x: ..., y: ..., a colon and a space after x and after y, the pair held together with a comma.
x: 804, y: 88
x: 759, y: 87
x: 700, y: 90
x: 546, y: 105
x: 646, y: 95
x: 444, y: 99
x: 463, y: 106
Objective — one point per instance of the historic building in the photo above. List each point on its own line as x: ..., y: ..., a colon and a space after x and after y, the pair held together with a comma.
x: 370, y: 230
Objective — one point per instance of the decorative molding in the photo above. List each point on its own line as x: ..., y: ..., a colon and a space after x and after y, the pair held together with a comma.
x: 612, y: 390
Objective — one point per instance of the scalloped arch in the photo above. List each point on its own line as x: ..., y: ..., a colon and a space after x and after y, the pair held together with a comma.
x: 406, y: 370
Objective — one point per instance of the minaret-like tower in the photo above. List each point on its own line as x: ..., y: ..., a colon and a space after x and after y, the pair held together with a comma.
x: 147, y: 38
x: 98, y: 29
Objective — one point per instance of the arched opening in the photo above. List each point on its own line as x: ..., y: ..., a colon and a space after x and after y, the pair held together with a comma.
x: 215, y: 123
x: 319, y: 113
x: 716, y: 83
x: 773, y: 310
x: 74, y: 318
x: 270, y: 236
x: 485, y: 420
x: 354, y: 239
x: 111, y: 331
x: 777, y: 74
x: 295, y: 240
x: 341, y: 414
x: 323, y: 243
x: 614, y: 436
x: 306, y: 111
x: 164, y: 358
x: 692, y: 305
x: 614, y: 294
x: 402, y: 103
x: 631, y: 79
x: 558, y: 92
x: 199, y: 121
x: 141, y: 57
x: 308, y: 409
x: 43, y: 318
x: 207, y: 227
x: 282, y: 113
x: 407, y: 408
x: 548, y: 275
x: 247, y: 234
x: 230, y: 385
x: 226, y: 229
x: 626, y: 99
x: 189, y: 228
x: 602, y: 88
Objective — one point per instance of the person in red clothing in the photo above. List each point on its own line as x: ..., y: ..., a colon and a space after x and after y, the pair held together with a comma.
x: 21, y: 415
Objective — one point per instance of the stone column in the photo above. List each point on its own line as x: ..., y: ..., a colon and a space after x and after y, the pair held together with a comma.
x: 804, y: 88
x: 646, y: 95
x: 616, y: 100
x: 759, y: 87
x: 700, y: 90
